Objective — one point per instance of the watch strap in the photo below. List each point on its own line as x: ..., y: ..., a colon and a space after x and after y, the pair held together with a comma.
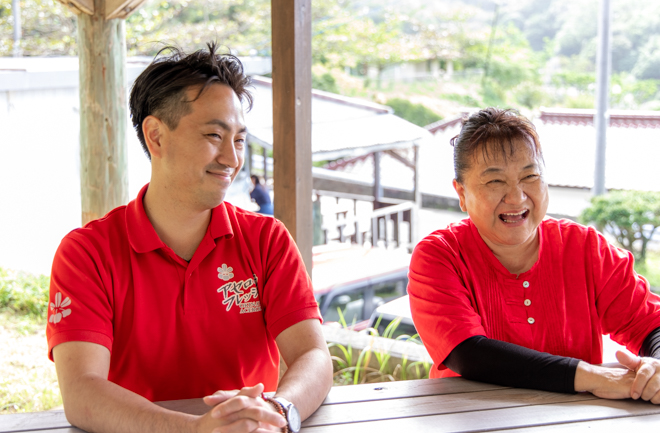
x: 280, y: 409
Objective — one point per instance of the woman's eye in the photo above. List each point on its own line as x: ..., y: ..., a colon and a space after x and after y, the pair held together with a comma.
x: 495, y: 181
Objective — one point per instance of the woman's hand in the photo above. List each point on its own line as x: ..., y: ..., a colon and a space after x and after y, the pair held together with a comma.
x: 647, y: 376
x: 604, y: 382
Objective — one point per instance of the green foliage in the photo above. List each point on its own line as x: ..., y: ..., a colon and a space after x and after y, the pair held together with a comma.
x: 650, y: 269
x: 244, y: 27
x: 529, y: 95
x: 372, y: 365
x: 49, y: 28
x: 630, y: 216
x: 414, y: 113
x: 466, y: 100
x: 325, y: 82
x: 648, y: 62
x: 580, y: 101
x: 578, y: 80
x: 24, y: 293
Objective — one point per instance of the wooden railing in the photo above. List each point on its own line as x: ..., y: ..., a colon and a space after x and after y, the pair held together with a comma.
x: 386, y: 227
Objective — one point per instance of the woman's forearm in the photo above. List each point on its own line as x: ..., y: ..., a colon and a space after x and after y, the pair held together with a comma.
x: 493, y: 361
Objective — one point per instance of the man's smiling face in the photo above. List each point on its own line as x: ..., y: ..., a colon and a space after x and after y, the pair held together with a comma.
x: 204, y: 153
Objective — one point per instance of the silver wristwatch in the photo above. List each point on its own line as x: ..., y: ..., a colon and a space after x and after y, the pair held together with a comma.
x: 290, y: 412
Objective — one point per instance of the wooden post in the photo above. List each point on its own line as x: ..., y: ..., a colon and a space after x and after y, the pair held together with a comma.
x: 414, y: 214
x: 378, y: 189
x: 264, y: 152
x: 292, y: 120
x: 103, y: 158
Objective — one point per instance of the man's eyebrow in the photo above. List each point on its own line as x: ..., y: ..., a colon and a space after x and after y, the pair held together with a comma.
x: 224, y: 125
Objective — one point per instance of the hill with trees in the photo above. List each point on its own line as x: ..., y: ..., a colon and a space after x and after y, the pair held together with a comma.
x: 523, y: 53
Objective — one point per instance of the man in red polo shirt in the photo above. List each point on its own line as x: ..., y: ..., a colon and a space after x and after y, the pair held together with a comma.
x: 179, y: 294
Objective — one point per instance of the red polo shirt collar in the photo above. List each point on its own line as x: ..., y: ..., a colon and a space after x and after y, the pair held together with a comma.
x: 143, y: 237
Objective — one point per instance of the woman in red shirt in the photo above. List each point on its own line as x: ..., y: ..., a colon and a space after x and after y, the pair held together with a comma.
x: 512, y: 297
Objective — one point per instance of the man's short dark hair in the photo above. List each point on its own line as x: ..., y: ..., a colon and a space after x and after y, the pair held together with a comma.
x: 160, y: 90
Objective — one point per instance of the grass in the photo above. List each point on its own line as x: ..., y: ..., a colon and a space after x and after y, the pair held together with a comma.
x: 349, y: 370
x: 28, y: 382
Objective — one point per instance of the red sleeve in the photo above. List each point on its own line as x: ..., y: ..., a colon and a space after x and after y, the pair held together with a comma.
x: 80, y: 308
x: 628, y: 310
x: 441, y: 304
x: 288, y: 296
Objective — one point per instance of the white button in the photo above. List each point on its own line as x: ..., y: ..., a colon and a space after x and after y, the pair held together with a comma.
x: 528, y: 302
x: 530, y: 320
x: 526, y: 284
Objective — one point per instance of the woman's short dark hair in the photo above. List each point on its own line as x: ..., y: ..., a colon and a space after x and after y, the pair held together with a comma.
x: 492, y: 129
x: 160, y: 90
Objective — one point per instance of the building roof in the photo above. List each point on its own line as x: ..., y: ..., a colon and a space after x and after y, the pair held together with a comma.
x: 444, y: 124
x: 568, y: 138
x: 585, y: 117
x: 342, y: 127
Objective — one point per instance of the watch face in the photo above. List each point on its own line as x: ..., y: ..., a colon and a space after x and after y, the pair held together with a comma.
x: 293, y: 417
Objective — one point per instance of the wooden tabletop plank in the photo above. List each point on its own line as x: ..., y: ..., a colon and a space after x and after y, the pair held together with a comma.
x: 638, y: 423
x: 405, y: 388
x: 57, y: 430
x: 192, y: 406
x: 33, y: 421
x: 498, y: 419
x: 436, y: 405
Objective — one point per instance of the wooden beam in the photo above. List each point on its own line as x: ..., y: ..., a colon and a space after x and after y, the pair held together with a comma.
x: 80, y: 6
x: 103, y: 158
x: 292, y: 120
x: 121, y: 8
x: 394, y: 154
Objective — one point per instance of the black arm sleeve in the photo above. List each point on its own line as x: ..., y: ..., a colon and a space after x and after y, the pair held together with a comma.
x: 493, y: 361
x: 651, y: 345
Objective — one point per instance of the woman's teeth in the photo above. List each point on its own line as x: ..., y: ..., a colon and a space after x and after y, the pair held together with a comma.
x: 513, y: 217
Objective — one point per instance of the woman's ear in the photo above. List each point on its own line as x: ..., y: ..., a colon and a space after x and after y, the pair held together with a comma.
x: 153, y: 129
x: 460, y: 190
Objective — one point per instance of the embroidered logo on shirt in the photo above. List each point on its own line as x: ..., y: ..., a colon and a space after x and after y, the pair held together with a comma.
x: 59, y: 308
x: 225, y: 272
x: 239, y: 292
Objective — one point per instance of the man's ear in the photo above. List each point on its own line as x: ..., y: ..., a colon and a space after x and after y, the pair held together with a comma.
x: 154, y: 130
x: 460, y: 190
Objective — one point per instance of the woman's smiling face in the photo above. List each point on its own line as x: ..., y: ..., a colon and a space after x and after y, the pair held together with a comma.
x: 506, y: 198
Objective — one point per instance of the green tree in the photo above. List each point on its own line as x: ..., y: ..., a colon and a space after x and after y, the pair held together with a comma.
x: 632, y: 217
x: 244, y: 27
x: 49, y: 28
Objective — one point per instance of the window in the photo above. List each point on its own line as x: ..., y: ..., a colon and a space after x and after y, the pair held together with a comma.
x: 351, y: 305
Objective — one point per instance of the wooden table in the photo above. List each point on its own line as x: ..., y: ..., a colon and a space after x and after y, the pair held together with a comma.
x: 437, y: 405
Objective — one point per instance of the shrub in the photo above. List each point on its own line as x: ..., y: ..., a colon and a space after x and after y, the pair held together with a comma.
x: 414, y: 113
x: 632, y: 217
x: 24, y: 293
x: 325, y: 82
